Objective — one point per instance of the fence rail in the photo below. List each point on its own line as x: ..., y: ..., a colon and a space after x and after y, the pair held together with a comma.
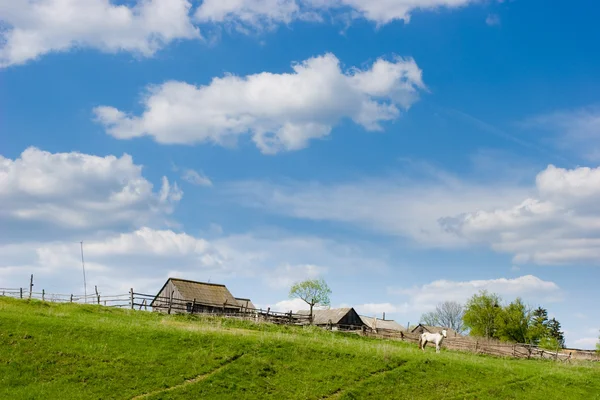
x: 171, y: 305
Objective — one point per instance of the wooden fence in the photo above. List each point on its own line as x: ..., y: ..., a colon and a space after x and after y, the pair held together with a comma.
x: 171, y: 305
x: 119, y: 300
x: 493, y: 347
x: 141, y: 301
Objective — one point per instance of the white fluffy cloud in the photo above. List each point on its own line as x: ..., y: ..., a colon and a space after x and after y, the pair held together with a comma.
x: 75, y: 191
x: 257, y: 13
x: 560, y: 224
x: 587, y: 342
x: 33, y: 28
x: 280, y: 111
x: 286, y: 275
x: 395, y: 205
x: 377, y: 309
x: 144, y: 258
x: 529, y: 287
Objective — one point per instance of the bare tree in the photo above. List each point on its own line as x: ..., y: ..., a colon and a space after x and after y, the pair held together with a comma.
x: 448, y: 314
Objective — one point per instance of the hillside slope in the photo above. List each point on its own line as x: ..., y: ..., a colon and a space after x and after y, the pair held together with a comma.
x: 64, y: 351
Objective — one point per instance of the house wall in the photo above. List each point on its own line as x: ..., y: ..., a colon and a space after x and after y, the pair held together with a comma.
x: 351, y: 321
x: 161, y: 304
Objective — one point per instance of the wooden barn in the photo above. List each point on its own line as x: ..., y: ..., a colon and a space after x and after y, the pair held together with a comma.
x: 434, y: 329
x: 201, y: 296
x: 336, y: 318
x: 245, y: 303
x: 385, y: 325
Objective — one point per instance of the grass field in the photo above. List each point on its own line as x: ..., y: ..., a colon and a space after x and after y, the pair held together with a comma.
x: 66, y: 351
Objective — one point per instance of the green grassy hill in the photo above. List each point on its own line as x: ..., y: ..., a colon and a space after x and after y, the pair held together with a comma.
x: 66, y: 351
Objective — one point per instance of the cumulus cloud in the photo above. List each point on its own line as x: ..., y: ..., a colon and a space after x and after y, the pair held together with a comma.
x: 586, y: 343
x: 77, y: 192
x: 279, y: 111
x: 394, y: 205
x: 33, y: 28
x: 293, y: 305
x: 426, y: 297
x: 560, y: 224
x: 266, y: 13
x: 378, y: 309
x: 285, y: 276
x: 146, y: 257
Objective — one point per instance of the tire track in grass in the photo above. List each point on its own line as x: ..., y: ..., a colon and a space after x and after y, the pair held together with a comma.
x: 187, y: 382
x: 339, y: 392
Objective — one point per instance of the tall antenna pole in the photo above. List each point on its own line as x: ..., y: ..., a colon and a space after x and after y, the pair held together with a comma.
x: 83, y: 267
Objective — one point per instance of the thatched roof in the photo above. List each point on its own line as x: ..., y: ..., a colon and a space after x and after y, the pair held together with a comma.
x: 246, y: 303
x: 385, y: 324
x: 204, y: 293
x: 322, y: 317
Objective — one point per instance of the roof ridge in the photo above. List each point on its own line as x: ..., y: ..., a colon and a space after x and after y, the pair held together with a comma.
x: 200, y: 283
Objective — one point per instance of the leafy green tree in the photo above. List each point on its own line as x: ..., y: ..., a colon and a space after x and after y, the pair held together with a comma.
x: 448, y: 314
x: 513, y: 322
x: 481, y: 314
x: 314, y: 292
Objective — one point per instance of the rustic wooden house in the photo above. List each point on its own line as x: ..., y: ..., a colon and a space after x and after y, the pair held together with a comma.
x: 245, y: 304
x: 182, y: 295
x: 434, y: 329
x: 336, y: 318
x: 385, y: 325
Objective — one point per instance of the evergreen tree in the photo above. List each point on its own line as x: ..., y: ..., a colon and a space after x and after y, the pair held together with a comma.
x: 555, y: 332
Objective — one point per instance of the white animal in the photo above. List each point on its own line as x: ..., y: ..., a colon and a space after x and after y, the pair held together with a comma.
x: 436, y: 338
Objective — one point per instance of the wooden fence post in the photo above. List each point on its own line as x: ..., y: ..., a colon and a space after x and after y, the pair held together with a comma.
x: 21, y: 291
x: 131, y: 297
x: 290, y: 316
x: 43, y: 295
x: 30, y: 286
x: 97, y: 295
x: 71, y: 297
x: 476, y: 345
x: 193, y: 305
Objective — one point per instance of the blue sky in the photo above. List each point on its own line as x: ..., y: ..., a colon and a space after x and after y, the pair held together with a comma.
x: 406, y: 154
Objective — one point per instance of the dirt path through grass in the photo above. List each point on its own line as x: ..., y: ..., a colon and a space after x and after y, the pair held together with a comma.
x: 197, y: 379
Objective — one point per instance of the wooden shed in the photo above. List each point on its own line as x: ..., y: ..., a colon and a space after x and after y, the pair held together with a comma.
x: 336, y: 318
x: 386, y: 325
x: 245, y: 303
x: 203, y: 297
